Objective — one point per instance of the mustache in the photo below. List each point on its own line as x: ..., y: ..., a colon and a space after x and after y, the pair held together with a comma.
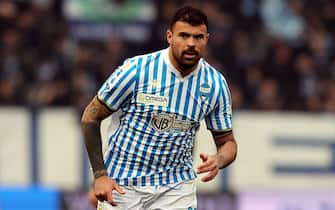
x: 190, y: 52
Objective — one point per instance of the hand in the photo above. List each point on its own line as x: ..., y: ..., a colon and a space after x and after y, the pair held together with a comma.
x: 103, y: 187
x: 210, y: 164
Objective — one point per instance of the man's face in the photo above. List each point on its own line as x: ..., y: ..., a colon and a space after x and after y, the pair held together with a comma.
x: 187, y: 44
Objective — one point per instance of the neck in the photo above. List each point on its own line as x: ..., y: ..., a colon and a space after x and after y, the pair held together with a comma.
x: 183, y: 71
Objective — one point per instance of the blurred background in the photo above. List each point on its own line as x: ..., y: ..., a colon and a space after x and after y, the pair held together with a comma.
x: 277, y: 55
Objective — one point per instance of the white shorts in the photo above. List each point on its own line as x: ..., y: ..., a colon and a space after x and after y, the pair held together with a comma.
x: 179, y: 196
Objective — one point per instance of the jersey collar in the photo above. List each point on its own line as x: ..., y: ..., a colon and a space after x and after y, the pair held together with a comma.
x: 173, y: 69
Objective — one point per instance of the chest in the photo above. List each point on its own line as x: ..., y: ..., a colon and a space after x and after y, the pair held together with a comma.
x: 191, y: 98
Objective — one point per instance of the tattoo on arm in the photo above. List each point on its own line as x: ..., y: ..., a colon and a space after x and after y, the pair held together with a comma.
x: 92, y: 138
x: 94, y: 113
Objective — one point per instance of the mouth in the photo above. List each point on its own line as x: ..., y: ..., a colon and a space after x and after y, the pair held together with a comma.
x: 190, y: 54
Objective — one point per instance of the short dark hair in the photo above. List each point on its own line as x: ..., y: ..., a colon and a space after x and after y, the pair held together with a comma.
x: 191, y: 15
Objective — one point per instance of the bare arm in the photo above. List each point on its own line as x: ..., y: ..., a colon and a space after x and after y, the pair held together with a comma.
x: 226, y: 148
x: 94, y: 113
x: 226, y: 154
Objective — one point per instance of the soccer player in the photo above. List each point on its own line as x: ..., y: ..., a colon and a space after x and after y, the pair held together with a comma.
x: 162, y: 96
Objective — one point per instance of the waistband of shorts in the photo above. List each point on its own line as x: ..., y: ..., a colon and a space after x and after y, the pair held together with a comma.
x: 158, y: 179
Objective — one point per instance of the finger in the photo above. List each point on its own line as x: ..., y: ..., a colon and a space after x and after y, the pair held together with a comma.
x: 110, y: 199
x: 92, y: 198
x: 206, y: 164
x: 203, y: 157
x: 119, y: 189
x: 207, y: 168
x: 210, y: 176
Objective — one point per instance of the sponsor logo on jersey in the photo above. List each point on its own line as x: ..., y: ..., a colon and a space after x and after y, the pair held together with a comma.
x: 168, y: 122
x: 149, y: 99
x: 162, y: 122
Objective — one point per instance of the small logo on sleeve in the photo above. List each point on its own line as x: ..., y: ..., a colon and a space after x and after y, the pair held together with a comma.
x: 107, y: 87
x: 229, y: 110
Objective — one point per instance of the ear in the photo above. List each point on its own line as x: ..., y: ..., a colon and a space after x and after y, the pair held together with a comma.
x: 169, y: 36
x: 207, y: 37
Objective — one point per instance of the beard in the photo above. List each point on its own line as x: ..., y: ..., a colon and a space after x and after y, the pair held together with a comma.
x: 185, y: 63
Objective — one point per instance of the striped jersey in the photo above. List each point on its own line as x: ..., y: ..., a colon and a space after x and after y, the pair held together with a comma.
x: 160, y: 114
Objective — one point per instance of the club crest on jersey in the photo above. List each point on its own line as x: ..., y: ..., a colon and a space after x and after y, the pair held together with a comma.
x: 205, y: 90
x: 162, y: 122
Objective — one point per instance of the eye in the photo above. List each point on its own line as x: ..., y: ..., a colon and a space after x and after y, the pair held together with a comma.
x: 184, y: 35
x: 199, y: 36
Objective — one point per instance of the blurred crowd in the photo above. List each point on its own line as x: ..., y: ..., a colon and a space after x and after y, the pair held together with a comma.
x: 277, y: 55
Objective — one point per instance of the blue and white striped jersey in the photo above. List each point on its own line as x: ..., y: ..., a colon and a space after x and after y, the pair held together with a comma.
x: 161, y: 113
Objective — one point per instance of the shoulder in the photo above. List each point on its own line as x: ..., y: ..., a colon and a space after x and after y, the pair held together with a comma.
x: 218, y: 82
x: 213, y: 72
x: 133, y: 66
x: 137, y: 61
x: 145, y: 58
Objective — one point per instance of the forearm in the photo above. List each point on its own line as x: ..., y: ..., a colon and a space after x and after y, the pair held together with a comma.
x: 93, y: 114
x: 226, y: 153
x: 92, y: 139
x: 226, y: 149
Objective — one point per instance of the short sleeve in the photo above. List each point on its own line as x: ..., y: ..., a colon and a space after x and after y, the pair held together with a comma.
x: 118, y: 89
x: 220, y: 118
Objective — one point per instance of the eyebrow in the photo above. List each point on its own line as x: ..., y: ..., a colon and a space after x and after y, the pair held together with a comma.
x: 189, y: 34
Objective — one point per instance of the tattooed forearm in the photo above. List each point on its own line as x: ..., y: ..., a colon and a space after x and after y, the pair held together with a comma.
x: 93, y: 145
x: 94, y: 113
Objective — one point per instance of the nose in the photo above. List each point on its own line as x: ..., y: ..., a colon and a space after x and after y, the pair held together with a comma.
x: 191, y: 42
